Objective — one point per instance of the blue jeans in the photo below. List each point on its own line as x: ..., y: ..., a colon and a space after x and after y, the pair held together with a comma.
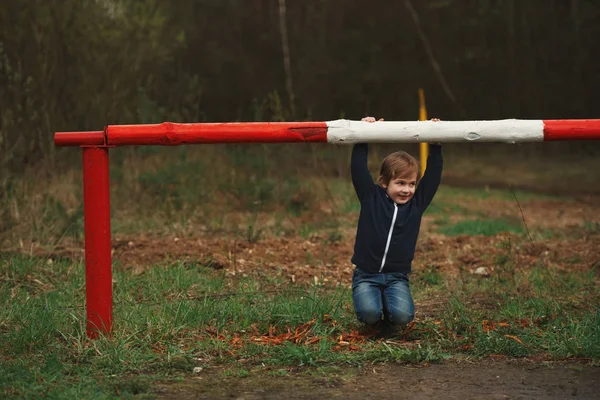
x: 382, y: 295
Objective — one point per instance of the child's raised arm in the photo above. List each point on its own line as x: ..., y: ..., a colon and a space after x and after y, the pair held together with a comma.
x: 361, y: 177
x: 430, y: 182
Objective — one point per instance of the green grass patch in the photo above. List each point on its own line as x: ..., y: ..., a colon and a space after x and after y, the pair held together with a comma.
x: 441, y: 207
x: 428, y: 278
x: 453, y: 193
x: 487, y: 227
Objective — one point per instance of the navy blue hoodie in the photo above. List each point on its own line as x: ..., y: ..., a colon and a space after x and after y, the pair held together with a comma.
x: 379, y: 213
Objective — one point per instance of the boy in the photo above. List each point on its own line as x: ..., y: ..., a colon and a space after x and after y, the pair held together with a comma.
x: 388, y: 227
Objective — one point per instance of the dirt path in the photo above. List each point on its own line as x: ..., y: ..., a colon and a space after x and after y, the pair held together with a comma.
x: 452, y: 380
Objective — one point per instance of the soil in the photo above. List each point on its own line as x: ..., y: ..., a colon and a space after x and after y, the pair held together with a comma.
x: 324, y: 257
x: 490, y: 379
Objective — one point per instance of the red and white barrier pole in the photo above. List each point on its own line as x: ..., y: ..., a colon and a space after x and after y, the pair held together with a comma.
x: 338, y: 132
x: 96, y: 176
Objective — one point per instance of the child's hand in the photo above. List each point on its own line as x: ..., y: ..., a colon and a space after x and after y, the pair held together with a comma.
x: 370, y: 119
x: 435, y: 120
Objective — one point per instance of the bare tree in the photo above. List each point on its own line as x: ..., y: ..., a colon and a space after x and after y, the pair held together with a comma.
x: 286, y: 57
x: 432, y: 59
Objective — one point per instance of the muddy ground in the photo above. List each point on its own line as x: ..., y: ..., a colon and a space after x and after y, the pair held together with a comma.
x: 490, y: 379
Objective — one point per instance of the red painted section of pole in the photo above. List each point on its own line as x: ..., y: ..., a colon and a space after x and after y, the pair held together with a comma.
x: 572, y: 129
x: 92, y: 138
x: 98, y: 266
x: 173, y: 134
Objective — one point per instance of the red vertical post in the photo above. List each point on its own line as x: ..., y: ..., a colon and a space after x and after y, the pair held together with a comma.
x: 98, y: 265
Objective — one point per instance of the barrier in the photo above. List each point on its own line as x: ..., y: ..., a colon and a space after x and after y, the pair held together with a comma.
x: 95, y: 147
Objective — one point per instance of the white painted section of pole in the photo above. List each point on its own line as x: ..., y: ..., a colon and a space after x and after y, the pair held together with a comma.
x: 344, y: 131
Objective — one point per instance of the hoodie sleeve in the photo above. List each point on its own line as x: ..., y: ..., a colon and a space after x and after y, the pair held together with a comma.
x: 361, y: 177
x: 431, y: 179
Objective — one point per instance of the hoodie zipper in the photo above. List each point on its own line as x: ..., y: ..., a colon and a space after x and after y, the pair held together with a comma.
x: 389, y: 239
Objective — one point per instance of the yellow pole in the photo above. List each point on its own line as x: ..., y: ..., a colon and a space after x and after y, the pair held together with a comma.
x: 424, y: 147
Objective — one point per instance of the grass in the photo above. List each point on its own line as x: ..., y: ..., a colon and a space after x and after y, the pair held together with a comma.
x: 176, y: 317
x: 176, y: 190
x: 465, y: 195
x: 168, y: 190
x: 486, y: 227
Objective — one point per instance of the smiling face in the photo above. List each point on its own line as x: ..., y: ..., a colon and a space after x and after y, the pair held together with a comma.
x: 398, y: 176
x: 401, y: 189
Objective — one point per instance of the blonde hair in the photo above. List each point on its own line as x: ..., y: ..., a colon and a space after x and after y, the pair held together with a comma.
x: 398, y: 165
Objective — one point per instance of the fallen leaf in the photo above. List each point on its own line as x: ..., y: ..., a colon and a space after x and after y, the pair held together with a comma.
x: 515, y: 339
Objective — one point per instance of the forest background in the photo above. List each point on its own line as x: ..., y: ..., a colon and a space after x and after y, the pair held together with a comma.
x: 70, y: 65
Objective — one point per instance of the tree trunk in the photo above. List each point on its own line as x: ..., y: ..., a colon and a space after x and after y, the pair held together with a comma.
x: 286, y: 57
